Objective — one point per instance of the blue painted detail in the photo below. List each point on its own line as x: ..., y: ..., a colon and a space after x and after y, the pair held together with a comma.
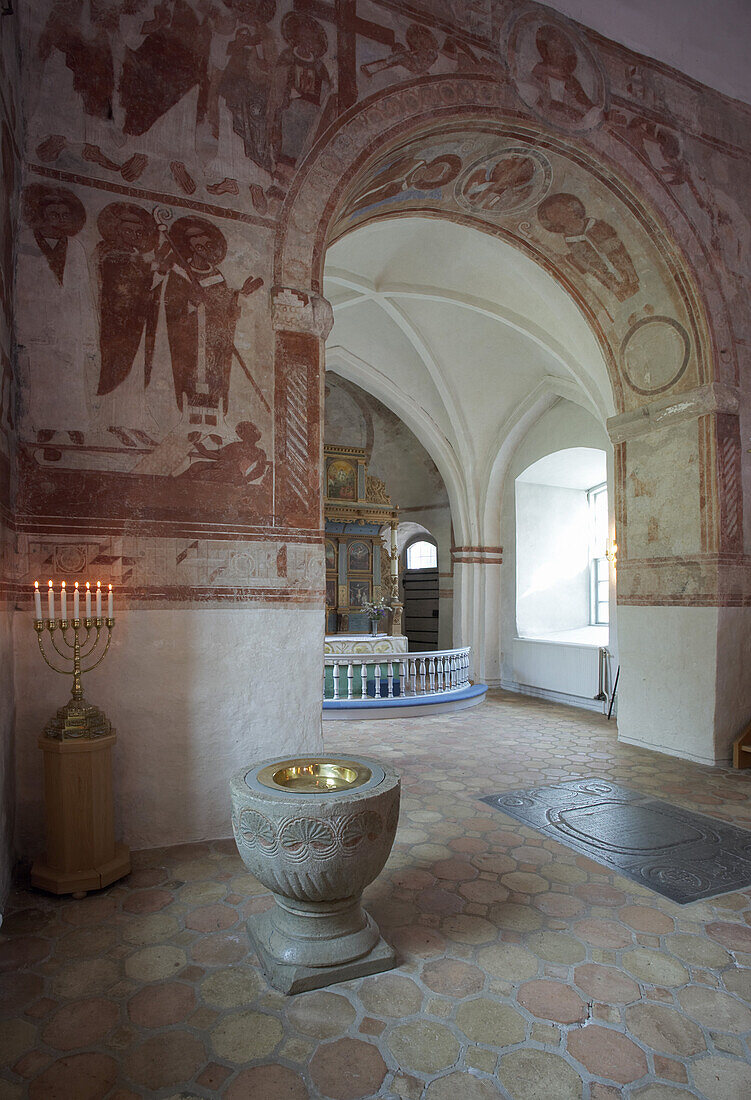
x: 471, y: 692
x: 370, y: 688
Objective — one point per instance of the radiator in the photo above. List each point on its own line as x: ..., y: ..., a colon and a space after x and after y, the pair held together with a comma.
x: 569, y: 669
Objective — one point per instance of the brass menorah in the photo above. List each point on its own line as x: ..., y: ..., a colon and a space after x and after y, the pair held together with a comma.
x: 78, y: 719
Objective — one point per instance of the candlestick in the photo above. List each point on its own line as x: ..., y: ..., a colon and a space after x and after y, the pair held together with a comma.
x: 50, y: 601
x: 110, y: 604
x: 63, y: 601
x: 88, y: 600
x: 98, y: 599
x: 82, y: 641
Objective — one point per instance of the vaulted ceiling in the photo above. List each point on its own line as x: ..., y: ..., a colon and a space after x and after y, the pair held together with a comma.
x: 459, y: 333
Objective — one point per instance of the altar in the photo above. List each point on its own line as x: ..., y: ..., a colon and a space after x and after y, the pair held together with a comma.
x: 347, y: 645
x: 362, y: 561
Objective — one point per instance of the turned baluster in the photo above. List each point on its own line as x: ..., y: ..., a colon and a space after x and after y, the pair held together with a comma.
x: 335, y: 669
x: 377, y: 674
x: 350, y: 677
x: 390, y: 674
x: 363, y: 680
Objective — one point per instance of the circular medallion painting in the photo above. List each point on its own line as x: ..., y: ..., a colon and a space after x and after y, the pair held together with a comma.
x: 654, y: 354
x: 505, y: 183
x: 555, y: 73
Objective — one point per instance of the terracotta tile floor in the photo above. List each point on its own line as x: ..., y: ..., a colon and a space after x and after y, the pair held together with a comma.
x: 527, y: 971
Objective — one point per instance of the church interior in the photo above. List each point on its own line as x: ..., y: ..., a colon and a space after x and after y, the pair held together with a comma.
x: 374, y: 464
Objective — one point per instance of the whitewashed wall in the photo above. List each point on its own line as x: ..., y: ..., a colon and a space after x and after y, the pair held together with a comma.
x: 564, y: 425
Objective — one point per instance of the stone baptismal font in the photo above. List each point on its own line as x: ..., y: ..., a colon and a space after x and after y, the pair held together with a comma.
x: 316, y: 832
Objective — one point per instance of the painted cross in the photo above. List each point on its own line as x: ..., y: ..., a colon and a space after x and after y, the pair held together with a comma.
x: 343, y: 14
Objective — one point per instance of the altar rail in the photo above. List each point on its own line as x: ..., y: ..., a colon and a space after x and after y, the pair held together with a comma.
x: 363, y: 678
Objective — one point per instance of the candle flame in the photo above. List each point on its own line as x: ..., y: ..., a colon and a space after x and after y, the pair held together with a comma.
x: 99, y: 584
x: 88, y: 585
x: 36, y: 584
x: 49, y: 583
x: 62, y: 584
x: 110, y: 588
x: 76, y: 584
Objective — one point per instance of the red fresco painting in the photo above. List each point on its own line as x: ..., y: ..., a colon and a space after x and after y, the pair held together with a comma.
x: 169, y: 141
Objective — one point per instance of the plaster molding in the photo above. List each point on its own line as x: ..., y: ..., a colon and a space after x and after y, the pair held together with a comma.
x: 368, y: 292
x: 300, y: 311
x: 418, y: 420
x: 698, y: 580
x: 714, y: 397
x: 601, y: 401
x: 516, y: 426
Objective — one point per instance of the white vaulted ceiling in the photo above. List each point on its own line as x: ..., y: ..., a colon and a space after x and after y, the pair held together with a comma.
x: 460, y: 333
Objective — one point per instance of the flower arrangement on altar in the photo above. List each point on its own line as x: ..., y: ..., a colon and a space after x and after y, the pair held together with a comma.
x: 376, y: 609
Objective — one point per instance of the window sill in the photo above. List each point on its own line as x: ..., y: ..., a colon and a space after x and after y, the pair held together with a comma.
x: 594, y: 636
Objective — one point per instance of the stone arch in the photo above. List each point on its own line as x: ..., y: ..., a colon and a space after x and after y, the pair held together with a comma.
x: 424, y: 430
x: 392, y: 118
x: 671, y: 360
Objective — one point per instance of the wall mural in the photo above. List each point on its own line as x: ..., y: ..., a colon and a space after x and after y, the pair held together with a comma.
x: 556, y: 75
x: 534, y: 193
x: 168, y: 340
x: 10, y: 157
x: 139, y: 351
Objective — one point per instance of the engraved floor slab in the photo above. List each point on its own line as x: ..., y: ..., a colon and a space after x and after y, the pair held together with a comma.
x: 680, y: 854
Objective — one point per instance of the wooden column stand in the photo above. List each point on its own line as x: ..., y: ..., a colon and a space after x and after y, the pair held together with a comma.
x: 81, y: 851
x: 77, y: 744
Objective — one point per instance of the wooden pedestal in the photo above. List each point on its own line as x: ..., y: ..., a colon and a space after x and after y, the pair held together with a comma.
x: 81, y: 851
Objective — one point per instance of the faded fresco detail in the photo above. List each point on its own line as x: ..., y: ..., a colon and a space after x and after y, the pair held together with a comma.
x: 187, y: 161
x: 534, y: 191
x: 142, y: 353
x: 555, y: 73
x: 10, y: 152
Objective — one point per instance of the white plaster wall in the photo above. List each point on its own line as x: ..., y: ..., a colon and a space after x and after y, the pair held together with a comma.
x: 195, y: 695
x: 733, y: 701
x: 552, y: 567
x: 708, y: 39
x: 562, y: 426
x: 668, y: 677
x: 7, y: 715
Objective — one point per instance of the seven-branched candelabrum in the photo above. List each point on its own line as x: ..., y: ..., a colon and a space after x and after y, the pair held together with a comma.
x: 76, y: 641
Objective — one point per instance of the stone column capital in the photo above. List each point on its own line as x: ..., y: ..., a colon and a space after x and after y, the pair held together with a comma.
x: 295, y: 310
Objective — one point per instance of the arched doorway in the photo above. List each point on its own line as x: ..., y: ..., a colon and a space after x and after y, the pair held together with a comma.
x: 623, y: 266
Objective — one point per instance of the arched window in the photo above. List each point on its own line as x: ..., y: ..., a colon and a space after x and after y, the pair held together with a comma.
x: 422, y: 555
x: 562, y: 572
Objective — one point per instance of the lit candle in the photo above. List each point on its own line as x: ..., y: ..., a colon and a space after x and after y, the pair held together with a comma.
x: 88, y: 600
x: 98, y: 599
x: 50, y: 601
x: 37, y: 601
x: 63, y: 601
x: 110, y: 604
x: 76, y: 606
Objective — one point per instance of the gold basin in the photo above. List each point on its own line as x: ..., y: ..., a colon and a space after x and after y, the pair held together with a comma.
x: 308, y: 775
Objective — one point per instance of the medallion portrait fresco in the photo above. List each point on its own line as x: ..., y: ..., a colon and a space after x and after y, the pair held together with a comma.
x: 537, y: 192
x: 555, y: 73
